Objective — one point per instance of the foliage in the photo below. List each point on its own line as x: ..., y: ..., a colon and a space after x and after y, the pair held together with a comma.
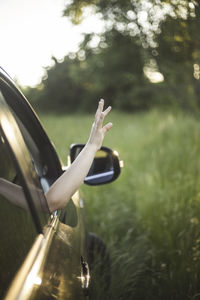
x: 149, y: 217
x: 154, y: 35
x: 76, y: 84
x: 178, y: 58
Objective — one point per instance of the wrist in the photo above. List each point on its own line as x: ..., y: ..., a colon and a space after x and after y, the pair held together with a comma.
x: 91, y: 147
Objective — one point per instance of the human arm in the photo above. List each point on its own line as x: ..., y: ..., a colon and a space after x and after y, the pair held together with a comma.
x: 13, y: 192
x: 68, y: 183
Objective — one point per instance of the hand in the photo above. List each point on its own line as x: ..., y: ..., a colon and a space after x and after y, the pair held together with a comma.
x: 98, y: 132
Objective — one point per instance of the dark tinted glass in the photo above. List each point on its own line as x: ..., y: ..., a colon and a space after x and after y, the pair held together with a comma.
x: 17, y: 232
x: 30, y: 157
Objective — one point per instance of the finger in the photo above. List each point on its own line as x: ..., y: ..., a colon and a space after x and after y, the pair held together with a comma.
x: 108, y: 109
x: 99, y: 109
x: 107, y: 127
x: 99, y: 120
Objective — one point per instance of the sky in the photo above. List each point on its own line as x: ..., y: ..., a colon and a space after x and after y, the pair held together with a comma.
x: 32, y: 31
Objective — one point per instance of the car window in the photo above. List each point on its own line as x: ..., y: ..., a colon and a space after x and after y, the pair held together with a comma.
x: 24, y: 163
x: 39, y: 165
x: 40, y: 169
x: 18, y: 231
x: 43, y: 154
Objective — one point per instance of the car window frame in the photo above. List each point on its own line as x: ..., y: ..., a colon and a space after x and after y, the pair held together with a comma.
x: 28, y: 117
x: 25, y: 112
x: 23, y: 173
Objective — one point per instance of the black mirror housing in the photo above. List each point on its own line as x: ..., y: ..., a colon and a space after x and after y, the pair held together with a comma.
x: 105, y: 167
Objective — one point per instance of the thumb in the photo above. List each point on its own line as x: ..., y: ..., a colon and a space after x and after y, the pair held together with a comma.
x: 107, y: 127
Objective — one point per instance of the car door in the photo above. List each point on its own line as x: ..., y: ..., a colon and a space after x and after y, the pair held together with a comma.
x: 53, y: 264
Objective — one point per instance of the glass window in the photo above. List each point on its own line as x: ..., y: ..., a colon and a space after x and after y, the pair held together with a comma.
x: 44, y: 158
x: 39, y: 165
x: 43, y: 154
x: 28, y: 155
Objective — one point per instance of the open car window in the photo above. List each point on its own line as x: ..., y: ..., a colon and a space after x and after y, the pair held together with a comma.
x: 26, y: 174
x: 42, y: 152
x: 39, y: 165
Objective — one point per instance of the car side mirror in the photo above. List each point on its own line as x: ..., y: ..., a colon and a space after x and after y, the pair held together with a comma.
x: 105, y: 167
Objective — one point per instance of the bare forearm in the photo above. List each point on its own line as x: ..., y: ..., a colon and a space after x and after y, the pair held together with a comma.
x: 66, y: 185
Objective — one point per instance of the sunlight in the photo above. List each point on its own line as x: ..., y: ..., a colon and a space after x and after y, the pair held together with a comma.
x: 34, y: 31
x: 153, y: 76
x: 196, y: 71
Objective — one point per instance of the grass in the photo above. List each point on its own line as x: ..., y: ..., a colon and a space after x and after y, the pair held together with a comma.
x: 150, y: 216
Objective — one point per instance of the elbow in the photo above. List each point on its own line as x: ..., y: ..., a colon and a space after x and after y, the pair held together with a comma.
x: 55, y: 203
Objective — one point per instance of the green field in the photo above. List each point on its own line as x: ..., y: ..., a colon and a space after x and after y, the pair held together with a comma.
x: 150, y: 216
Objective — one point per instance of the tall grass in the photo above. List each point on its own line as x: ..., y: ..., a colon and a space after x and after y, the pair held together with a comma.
x: 150, y: 216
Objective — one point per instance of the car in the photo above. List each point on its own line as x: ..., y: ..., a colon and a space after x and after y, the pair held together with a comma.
x: 43, y: 254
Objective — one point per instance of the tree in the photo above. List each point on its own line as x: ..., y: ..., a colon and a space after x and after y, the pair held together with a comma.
x: 166, y: 32
x: 178, y: 56
x: 117, y: 70
x: 160, y: 35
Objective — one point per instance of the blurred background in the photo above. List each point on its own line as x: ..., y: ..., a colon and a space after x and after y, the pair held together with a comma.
x: 143, y: 58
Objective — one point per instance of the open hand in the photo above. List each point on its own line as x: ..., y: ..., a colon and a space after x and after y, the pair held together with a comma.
x: 98, y: 131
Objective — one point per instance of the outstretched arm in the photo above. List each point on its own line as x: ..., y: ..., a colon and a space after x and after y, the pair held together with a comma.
x: 66, y: 185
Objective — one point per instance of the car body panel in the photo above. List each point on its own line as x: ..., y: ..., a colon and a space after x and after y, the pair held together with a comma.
x: 43, y: 253
x: 41, y: 276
